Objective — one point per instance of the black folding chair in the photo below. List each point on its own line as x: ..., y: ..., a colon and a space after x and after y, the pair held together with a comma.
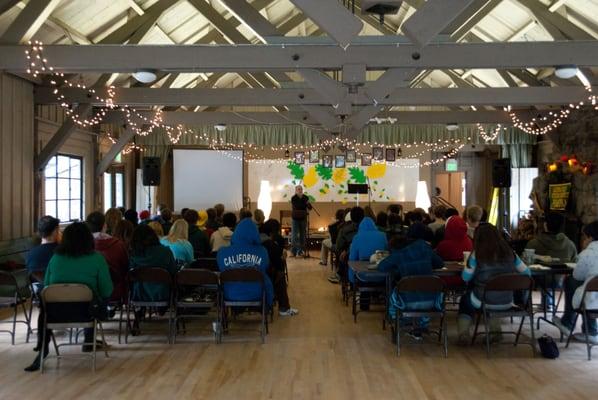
x: 149, y: 275
x: 429, y: 285
x: 507, y: 283
x: 209, y: 263
x: 246, y: 276
x: 196, y: 290
x: 586, y: 314
x: 14, y: 292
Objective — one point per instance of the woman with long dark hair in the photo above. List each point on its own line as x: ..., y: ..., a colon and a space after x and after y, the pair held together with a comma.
x: 491, y: 256
x: 75, y: 261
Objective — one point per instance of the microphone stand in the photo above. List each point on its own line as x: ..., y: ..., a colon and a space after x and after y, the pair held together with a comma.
x: 306, y: 245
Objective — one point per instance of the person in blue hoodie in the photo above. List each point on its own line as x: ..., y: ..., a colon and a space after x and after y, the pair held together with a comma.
x: 246, y: 251
x: 365, y: 243
x: 408, y: 257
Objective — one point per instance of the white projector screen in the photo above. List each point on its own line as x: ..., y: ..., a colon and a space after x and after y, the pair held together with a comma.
x: 203, y: 178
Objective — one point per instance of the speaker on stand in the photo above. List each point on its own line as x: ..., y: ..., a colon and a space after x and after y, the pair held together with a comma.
x: 150, y: 176
x: 501, y: 178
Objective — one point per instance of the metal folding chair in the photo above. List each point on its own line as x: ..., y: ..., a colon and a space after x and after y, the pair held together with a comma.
x: 14, y: 293
x: 422, y: 284
x: 586, y: 314
x: 209, y: 263
x: 507, y: 283
x: 207, y: 283
x: 246, y: 276
x: 67, y: 306
x: 149, y: 275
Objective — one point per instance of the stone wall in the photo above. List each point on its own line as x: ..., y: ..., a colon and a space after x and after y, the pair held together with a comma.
x: 579, y: 136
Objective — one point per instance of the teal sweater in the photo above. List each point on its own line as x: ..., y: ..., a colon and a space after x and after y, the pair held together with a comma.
x: 90, y: 270
x: 154, y: 256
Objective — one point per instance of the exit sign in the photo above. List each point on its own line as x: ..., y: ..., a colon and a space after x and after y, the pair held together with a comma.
x: 451, y: 165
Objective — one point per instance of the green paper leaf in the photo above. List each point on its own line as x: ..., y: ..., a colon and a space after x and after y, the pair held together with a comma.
x: 310, y: 197
x: 323, y: 172
x: 296, y: 170
x: 357, y: 175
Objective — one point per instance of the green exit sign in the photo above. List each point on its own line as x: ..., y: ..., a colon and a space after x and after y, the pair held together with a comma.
x: 451, y: 165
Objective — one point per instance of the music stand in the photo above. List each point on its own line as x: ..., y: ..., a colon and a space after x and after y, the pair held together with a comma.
x: 358, y: 188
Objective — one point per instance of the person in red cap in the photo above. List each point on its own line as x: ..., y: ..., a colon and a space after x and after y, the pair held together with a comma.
x: 144, y: 217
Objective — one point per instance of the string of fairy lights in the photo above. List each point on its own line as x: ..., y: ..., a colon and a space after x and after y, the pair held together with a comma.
x: 143, y: 125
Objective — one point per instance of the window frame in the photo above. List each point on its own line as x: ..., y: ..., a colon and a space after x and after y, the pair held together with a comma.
x: 70, y: 198
x: 113, y: 170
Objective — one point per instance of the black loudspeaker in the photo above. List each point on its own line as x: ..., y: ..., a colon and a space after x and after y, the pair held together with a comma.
x: 151, y: 171
x: 501, y: 173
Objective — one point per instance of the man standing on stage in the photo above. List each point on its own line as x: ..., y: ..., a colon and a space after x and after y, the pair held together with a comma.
x: 300, y: 204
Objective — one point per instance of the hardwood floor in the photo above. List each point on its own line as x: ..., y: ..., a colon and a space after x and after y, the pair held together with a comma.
x: 318, y: 354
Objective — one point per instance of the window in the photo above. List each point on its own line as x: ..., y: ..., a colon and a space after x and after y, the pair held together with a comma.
x: 64, y: 188
x: 114, y: 187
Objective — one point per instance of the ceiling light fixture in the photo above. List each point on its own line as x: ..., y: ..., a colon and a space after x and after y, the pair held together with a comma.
x: 565, y: 71
x: 220, y: 127
x: 145, y: 75
x: 452, y: 126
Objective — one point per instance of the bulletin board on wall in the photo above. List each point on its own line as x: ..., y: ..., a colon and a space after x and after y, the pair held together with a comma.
x: 388, y: 182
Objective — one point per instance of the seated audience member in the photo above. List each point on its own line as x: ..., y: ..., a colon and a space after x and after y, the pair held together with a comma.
x: 75, y: 261
x: 424, y: 217
x: 177, y: 242
x: 219, y: 212
x: 184, y: 211
x: 491, y: 257
x: 439, y: 221
x: 328, y: 244
x: 455, y: 240
x: 259, y: 218
x: 145, y: 217
x: 244, y: 213
x: 38, y: 257
x: 198, y: 238
x: 553, y: 242
x: 203, y: 219
x: 586, y: 268
x: 122, y: 210
x: 212, y: 223
x: 165, y: 219
x: 124, y: 231
x: 113, y: 216
x: 114, y: 251
x: 395, y: 225
x: 369, y: 213
x: 222, y: 237
x: 396, y: 209
x: 274, y: 245
x: 382, y: 221
x: 343, y: 242
x: 473, y: 217
x: 157, y: 227
x: 146, y: 251
x: 439, y: 234
x: 366, y: 241
x: 408, y: 257
x: 246, y: 251
x: 131, y: 216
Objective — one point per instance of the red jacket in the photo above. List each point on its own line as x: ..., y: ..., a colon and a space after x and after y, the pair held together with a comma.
x: 117, y: 258
x: 455, y: 240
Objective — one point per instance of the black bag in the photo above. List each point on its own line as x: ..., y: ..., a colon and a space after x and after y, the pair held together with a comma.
x: 548, y: 347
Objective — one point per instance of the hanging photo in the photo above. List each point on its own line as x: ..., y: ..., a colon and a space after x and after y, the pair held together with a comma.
x: 339, y: 161
x: 378, y: 153
x: 366, y: 159
x: 351, y: 156
x: 327, y: 161
x: 314, y: 156
x: 300, y: 157
x: 390, y: 155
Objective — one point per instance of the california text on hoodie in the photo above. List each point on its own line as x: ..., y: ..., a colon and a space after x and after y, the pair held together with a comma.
x: 245, y: 251
x: 553, y: 245
x: 455, y: 240
x: 220, y: 238
x: 365, y: 243
x: 117, y: 258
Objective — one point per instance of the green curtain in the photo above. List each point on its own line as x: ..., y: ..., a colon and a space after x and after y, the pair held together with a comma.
x: 520, y: 154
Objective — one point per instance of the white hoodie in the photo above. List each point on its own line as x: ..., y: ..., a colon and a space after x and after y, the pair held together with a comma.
x: 586, y: 268
x: 220, y: 238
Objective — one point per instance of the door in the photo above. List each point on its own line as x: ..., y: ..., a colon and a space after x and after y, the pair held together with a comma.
x: 452, y: 188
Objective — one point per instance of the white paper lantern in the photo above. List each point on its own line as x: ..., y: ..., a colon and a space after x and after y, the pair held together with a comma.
x: 422, y: 198
x: 264, y: 200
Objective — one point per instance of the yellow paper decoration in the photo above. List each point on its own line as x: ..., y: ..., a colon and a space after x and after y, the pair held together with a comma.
x: 311, y: 177
x: 376, y: 171
x: 339, y: 175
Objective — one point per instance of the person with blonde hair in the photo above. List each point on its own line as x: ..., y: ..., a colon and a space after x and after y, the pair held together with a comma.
x: 155, y: 225
x: 113, y: 216
x: 177, y: 241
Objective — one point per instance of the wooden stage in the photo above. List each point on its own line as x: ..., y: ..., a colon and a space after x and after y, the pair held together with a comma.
x: 319, y: 354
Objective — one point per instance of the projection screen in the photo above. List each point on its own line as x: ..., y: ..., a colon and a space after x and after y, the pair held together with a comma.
x: 203, y: 178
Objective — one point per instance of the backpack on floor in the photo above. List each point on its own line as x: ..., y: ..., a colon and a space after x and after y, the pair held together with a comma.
x: 548, y: 347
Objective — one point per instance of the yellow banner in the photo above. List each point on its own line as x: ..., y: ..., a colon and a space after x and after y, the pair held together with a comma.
x: 558, y: 196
